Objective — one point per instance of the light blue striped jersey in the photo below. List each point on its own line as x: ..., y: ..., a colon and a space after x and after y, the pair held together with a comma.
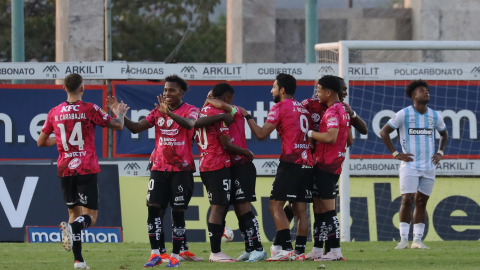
x: 417, y: 135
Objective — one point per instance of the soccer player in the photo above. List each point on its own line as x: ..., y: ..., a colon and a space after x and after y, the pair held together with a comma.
x: 215, y: 146
x: 185, y: 254
x: 171, y: 177
x: 244, y: 175
x: 73, y: 123
x: 294, y: 176
x: 416, y: 125
x: 329, y: 156
x: 317, y: 111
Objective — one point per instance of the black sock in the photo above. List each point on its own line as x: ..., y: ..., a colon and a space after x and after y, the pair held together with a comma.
x: 154, y: 224
x: 276, y: 242
x: 319, y: 230
x: 289, y: 213
x: 250, y: 223
x: 333, y: 235
x: 161, y: 243
x: 216, y: 232
x: 248, y: 245
x: 178, y: 230
x: 185, y: 243
x: 77, y: 245
x: 81, y: 222
x: 285, y: 240
x: 300, y: 244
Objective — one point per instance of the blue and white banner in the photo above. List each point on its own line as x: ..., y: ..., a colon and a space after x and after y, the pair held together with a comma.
x: 49, y: 234
x: 24, y: 109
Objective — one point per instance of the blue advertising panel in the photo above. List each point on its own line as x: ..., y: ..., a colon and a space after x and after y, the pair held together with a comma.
x: 375, y: 102
x: 254, y: 96
x: 31, y: 195
x: 457, y: 101
x: 24, y: 109
x: 53, y: 234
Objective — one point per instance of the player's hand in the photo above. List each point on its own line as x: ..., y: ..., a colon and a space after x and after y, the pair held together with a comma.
x: 250, y: 156
x: 244, y: 112
x: 228, y: 119
x: 436, y: 158
x: 311, y: 142
x: 163, y: 107
x: 405, y: 157
x: 347, y: 109
x: 121, y: 109
x: 112, y: 103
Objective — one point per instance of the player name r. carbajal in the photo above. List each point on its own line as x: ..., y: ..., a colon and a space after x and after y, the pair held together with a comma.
x: 420, y: 131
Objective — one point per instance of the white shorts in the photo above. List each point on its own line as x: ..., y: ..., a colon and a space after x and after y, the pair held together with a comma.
x: 412, y: 180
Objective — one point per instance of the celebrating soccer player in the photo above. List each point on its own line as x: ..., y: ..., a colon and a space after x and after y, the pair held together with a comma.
x: 244, y: 175
x: 329, y: 156
x: 73, y: 123
x: 294, y: 176
x: 215, y: 148
x: 416, y: 125
x: 171, y: 177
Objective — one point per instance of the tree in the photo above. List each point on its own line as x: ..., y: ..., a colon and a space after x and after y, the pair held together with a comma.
x: 168, y: 30
x: 39, y: 30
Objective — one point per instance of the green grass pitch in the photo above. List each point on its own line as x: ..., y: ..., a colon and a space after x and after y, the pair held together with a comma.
x: 360, y: 255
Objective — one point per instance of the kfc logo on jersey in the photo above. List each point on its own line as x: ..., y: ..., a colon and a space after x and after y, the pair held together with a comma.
x: 74, y: 163
x: 169, y: 122
x: 160, y: 121
x: 315, y: 117
x: 69, y: 108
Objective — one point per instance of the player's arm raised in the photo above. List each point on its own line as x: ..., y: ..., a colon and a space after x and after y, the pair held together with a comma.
x: 120, y: 111
x: 261, y: 133
x: 134, y: 127
x: 219, y: 104
x: 357, y: 122
x: 234, y: 149
x: 210, y: 120
x: 187, y: 122
x: 385, y: 134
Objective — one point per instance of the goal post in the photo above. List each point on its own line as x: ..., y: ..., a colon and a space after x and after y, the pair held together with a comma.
x: 343, y: 51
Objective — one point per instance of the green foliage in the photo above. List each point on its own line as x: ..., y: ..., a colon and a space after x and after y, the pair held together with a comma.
x: 169, y: 30
x: 39, y: 30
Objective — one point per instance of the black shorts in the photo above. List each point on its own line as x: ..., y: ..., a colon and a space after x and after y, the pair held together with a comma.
x: 244, y: 177
x: 219, y: 185
x: 293, y: 183
x: 174, y: 188
x: 80, y: 190
x: 325, y: 185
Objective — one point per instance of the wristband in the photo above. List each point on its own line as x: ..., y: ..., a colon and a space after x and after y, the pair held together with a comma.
x: 354, y: 114
x: 234, y: 110
x: 309, y: 133
x: 248, y: 117
x: 395, y: 153
x: 440, y: 152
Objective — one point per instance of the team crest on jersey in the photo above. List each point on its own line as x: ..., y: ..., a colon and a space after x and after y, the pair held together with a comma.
x: 315, y: 117
x: 160, y: 121
x: 430, y: 122
x: 74, y: 163
x: 304, y: 154
x: 169, y: 122
x: 412, y: 120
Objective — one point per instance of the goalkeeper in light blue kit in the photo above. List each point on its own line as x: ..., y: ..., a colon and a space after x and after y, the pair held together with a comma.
x: 416, y: 125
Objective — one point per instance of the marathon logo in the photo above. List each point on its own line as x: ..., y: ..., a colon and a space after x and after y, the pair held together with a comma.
x: 50, y: 234
x: 420, y: 131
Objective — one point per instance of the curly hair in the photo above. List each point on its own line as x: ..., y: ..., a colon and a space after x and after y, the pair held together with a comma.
x: 413, y: 85
x: 180, y: 82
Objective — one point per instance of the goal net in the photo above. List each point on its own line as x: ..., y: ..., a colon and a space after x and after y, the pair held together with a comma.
x: 377, y: 73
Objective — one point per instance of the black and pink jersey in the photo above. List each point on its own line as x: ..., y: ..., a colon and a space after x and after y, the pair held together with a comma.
x: 74, y: 128
x: 173, y: 143
x: 292, y: 122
